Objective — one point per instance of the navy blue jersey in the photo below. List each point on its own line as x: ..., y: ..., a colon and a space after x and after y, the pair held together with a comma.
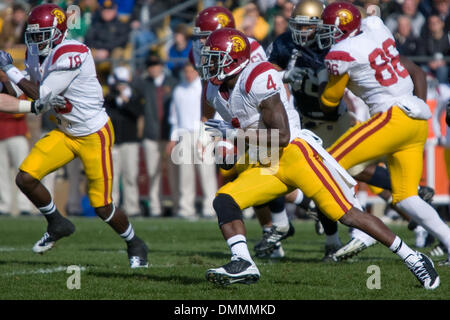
x: 286, y: 54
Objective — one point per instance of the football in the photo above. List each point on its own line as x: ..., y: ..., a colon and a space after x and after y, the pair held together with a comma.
x: 225, y: 153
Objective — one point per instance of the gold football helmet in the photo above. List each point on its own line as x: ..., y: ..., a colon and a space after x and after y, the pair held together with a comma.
x: 305, y: 20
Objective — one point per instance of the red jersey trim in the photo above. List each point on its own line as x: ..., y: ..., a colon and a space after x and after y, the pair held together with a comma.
x: 260, y: 68
x: 69, y: 48
x: 254, y: 45
x: 339, y: 55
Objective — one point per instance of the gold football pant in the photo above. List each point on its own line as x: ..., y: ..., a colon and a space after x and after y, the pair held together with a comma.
x: 56, y: 149
x: 301, y: 167
x: 391, y: 133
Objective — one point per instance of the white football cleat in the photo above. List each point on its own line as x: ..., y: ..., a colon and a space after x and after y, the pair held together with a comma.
x: 352, y: 248
x: 44, y: 244
x: 238, y: 270
x: 423, y: 268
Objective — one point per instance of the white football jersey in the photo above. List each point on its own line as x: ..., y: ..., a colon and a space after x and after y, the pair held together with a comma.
x: 257, y: 82
x: 376, y: 75
x: 69, y: 70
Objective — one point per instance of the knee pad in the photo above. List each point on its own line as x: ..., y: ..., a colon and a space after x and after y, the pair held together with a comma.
x: 226, y: 208
x: 277, y: 205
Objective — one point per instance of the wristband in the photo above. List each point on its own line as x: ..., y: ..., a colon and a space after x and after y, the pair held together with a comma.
x: 14, y: 74
x: 24, y: 106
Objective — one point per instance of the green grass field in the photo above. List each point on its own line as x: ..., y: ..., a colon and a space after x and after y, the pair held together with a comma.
x: 181, y: 252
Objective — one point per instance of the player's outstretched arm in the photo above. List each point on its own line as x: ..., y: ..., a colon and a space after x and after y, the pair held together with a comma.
x: 418, y: 77
x: 11, y: 104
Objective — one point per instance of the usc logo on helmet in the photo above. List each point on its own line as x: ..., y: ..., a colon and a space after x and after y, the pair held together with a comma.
x: 222, y: 19
x: 345, y: 16
x: 238, y: 44
x: 59, y: 15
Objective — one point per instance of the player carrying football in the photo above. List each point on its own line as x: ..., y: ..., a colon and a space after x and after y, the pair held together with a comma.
x: 258, y: 102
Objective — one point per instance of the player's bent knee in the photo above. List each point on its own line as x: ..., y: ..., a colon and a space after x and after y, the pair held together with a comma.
x: 25, y: 181
x: 227, y: 209
x: 350, y: 218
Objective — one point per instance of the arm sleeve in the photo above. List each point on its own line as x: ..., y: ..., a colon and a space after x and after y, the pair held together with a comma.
x: 334, y: 90
x: 57, y: 82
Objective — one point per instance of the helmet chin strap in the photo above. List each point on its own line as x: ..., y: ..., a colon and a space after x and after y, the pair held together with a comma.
x: 223, y: 76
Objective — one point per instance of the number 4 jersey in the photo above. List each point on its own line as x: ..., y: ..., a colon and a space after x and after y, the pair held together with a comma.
x: 372, y: 63
x: 70, y: 71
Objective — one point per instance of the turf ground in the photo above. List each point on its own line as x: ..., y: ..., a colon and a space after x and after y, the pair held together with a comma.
x: 181, y: 252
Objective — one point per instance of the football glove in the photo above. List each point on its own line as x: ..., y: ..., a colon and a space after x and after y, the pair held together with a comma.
x: 295, y: 77
x: 220, y: 128
x: 43, y: 105
x: 6, y: 61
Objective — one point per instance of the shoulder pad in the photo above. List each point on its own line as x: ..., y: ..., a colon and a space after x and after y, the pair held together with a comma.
x: 68, y: 56
x: 259, y: 69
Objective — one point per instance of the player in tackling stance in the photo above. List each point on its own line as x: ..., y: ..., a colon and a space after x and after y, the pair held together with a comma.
x: 62, y: 74
x: 257, y: 101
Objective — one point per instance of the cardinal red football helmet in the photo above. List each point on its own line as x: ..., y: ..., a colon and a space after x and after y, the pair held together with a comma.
x: 340, y: 20
x: 46, y: 28
x: 213, y: 18
x: 225, y: 53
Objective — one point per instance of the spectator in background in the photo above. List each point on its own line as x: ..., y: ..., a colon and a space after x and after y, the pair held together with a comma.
x: 185, y: 114
x: 389, y: 7
x: 142, y: 34
x: 12, y: 28
x: 106, y: 32
x: 409, y: 9
x: 124, y: 8
x: 435, y: 44
x: 154, y: 91
x: 288, y: 8
x: 124, y: 111
x: 442, y: 8
x: 250, y: 22
x: 13, y: 150
x: 406, y: 42
x: 179, y: 51
x: 272, y: 11
x: 280, y: 25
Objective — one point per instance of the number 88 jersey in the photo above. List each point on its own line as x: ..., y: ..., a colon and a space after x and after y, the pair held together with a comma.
x: 372, y: 63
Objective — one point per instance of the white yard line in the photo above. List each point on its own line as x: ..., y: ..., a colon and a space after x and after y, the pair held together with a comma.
x: 38, y: 271
x: 10, y: 249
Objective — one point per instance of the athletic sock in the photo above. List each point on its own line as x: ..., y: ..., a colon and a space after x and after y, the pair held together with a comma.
x: 238, y: 247
x: 427, y: 217
x: 299, y: 198
x: 128, y: 235
x: 401, y: 249
x: 280, y: 219
x: 362, y: 236
x: 333, y: 239
x: 50, y: 212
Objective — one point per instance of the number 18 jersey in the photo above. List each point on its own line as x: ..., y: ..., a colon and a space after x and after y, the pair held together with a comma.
x: 372, y: 63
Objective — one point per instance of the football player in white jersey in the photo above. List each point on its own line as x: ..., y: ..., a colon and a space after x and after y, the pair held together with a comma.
x: 367, y: 62
x: 64, y: 69
x: 262, y: 116
x: 273, y: 216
